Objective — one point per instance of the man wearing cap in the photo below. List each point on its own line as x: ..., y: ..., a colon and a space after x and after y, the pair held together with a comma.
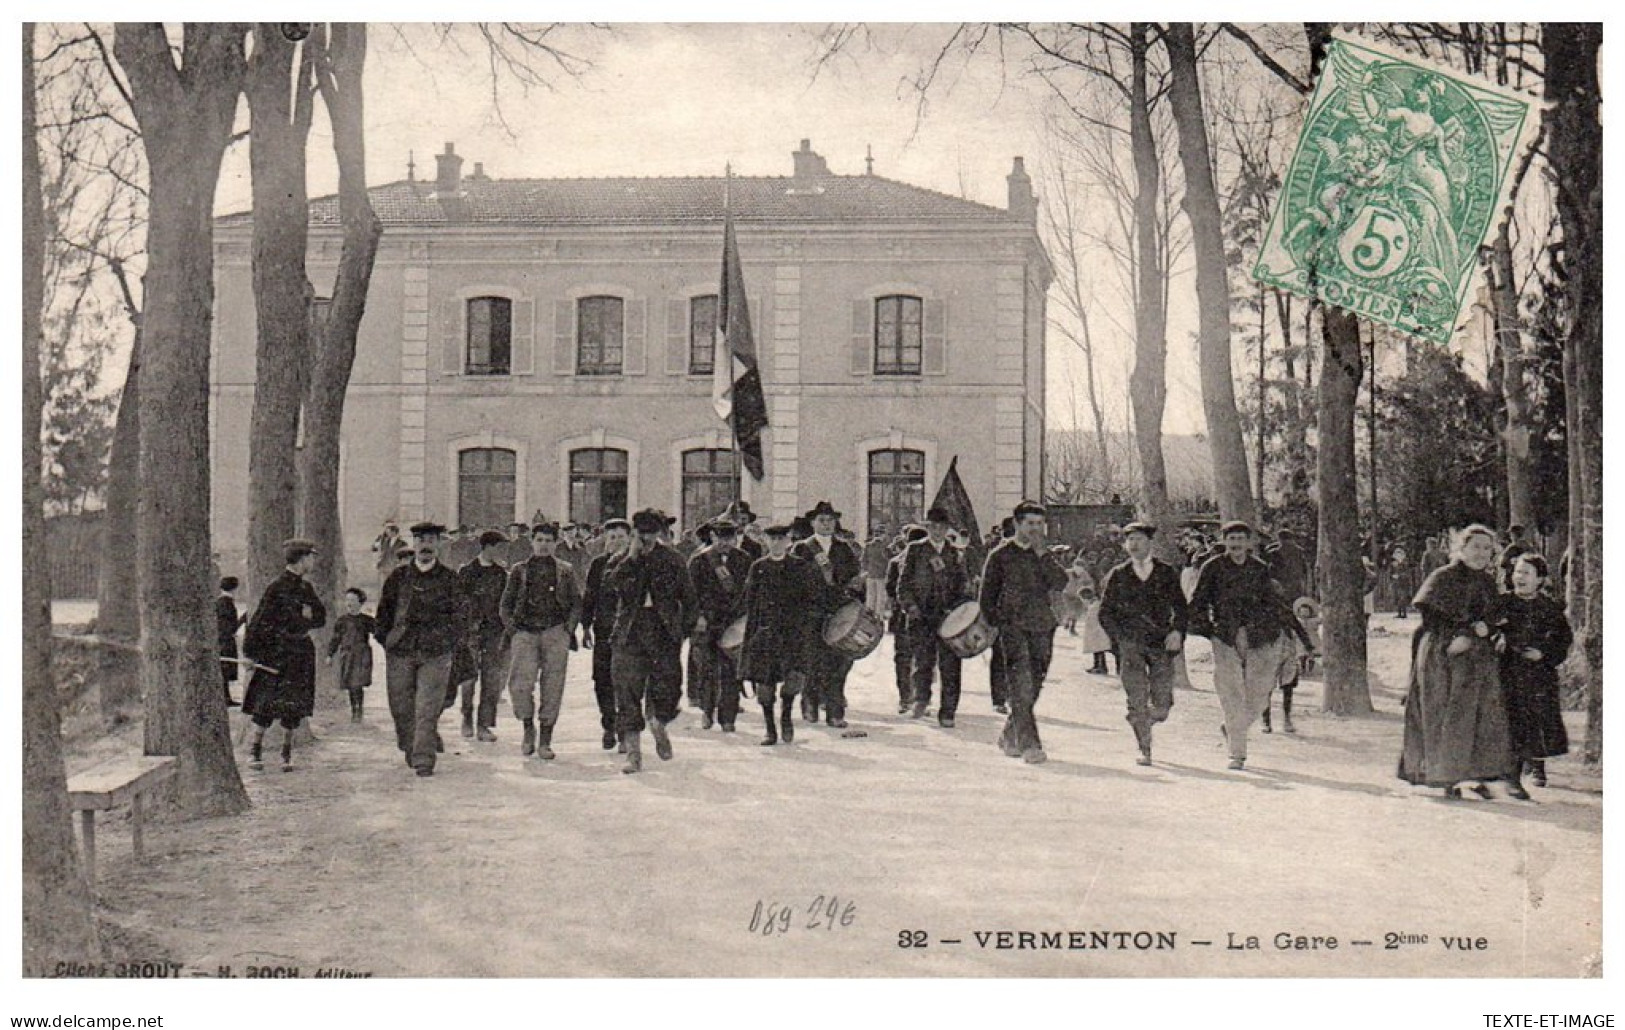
x: 838, y: 564
x: 1239, y: 607
x: 932, y: 583
x: 1142, y: 609
x: 654, y: 611
x: 484, y: 637
x: 540, y: 607
x: 751, y: 538
x: 598, y: 625
x: 278, y: 637
x: 419, y: 618
x: 1016, y: 587
x: 573, y: 553
x: 718, y: 574
x: 897, y: 623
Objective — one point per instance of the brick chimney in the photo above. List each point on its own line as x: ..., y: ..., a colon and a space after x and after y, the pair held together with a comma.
x: 809, y: 165
x: 448, y: 172
x: 1022, y: 203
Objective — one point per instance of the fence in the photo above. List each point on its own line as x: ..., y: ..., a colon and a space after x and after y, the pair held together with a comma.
x: 75, y: 546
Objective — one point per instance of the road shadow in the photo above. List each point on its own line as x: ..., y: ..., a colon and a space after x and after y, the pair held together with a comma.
x: 1342, y: 786
x: 1222, y: 775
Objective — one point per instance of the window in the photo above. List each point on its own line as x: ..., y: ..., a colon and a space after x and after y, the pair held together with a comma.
x: 702, y: 336
x: 485, y: 487
x: 897, y: 336
x: 896, y: 487
x: 597, y: 485
x: 710, y: 483
x: 490, y: 336
x: 599, y: 336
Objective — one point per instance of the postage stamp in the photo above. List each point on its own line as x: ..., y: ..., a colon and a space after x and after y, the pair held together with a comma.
x: 1400, y: 173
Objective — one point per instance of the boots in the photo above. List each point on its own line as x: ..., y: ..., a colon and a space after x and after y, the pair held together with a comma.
x: 662, y: 739
x: 468, y: 724
x: 528, y: 746
x: 544, y: 742
x: 255, y: 761
x: 287, y: 750
x: 1286, y: 711
x: 772, y: 726
x: 786, y: 720
x: 1142, y: 736
x: 632, y: 741
x: 355, y: 706
x: 1537, y: 769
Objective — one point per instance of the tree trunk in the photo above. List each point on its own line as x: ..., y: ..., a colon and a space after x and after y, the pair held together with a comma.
x: 118, y: 614
x: 1574, y: 138
x: 1514, y: 389
x: 1148, y: 386
x: 339, y: 70
x: 1342, y: 577
x: 1574, y: 587
x: 280, y: 103
x: 1229, y: 456
x: 185, y: 118
x: 59, y: 922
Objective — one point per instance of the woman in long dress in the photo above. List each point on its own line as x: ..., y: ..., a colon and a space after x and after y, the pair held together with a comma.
x: 1456, y: 734
x: 1535, y: 639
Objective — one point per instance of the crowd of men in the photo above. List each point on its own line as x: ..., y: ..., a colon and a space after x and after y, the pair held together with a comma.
x: 464, y: 616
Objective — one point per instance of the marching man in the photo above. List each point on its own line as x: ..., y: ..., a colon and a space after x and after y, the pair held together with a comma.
x: 718, y: 574
x: 1016, y: 588
x: 654, y: 609
x: 1142, y: 609
x: 933, y: 582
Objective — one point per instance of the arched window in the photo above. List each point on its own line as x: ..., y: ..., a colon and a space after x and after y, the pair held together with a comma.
x: 490, y: 337
x: 896, y: 487
x: 485, y: 486
x: 898, y: 339
x: 600, y: 336
x: 702, y: 336
x: 710, y: 482
x: 597, y: 484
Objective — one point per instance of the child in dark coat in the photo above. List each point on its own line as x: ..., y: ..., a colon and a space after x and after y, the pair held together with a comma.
x: 351, y: 642
x: 1535, y: 638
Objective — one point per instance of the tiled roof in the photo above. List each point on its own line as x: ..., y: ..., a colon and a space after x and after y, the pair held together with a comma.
x: 832, y: 198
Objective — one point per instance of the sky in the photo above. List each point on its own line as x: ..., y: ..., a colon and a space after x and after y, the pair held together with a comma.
x: 692, y: 99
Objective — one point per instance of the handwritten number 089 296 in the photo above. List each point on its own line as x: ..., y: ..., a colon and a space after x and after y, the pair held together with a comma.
x: 826, y: 912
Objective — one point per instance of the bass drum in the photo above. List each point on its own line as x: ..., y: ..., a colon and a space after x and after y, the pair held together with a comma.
x: 732, y: 640
x: 966, y: 630
x: 854, y: 630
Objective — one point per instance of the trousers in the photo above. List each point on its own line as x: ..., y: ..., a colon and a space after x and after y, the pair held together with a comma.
x: 721, y: 686
x: 1244, y: 675
x: 536, y: 667
x: 930, y: 653
x: 1026, y: 656
x: 490, y: 671
x: 417, y: 695
x: 1148, y: 685
x: 647, y: 669
x: 603, y: 681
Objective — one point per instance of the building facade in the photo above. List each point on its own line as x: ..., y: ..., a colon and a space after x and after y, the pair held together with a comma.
x: 546, y: 346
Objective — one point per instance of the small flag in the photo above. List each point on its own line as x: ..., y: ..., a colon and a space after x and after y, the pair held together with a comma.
x: 736, y: 384
x: 955, y: 500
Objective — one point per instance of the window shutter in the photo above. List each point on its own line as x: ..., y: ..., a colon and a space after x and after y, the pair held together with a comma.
x: 934, y: 338
x: 452, y: 336
x: 863, y: 337
x: 522, y: 337
x: 633, y: 361
x: 677, y: 336
x: 564, y: 337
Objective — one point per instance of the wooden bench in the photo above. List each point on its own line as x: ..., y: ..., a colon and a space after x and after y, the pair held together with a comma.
x: 112, y: 784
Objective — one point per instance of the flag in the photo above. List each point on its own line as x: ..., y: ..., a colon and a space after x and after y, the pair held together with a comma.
x: 955, y: 500
x: 736, y: 383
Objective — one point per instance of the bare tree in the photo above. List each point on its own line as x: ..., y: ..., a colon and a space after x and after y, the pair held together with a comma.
x: 185, y: 113
x: 58, y: 919
x: 1212, y: 289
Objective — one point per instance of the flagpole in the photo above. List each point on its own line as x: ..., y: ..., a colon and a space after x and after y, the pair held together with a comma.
x: 733, y: 432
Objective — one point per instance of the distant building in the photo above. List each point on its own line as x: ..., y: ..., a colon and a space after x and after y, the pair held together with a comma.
x: 546, y: 344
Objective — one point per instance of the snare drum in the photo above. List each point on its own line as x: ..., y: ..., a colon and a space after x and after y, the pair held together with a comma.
x: 732, y: 640
x: 854, y: 630
x: 966, y: 630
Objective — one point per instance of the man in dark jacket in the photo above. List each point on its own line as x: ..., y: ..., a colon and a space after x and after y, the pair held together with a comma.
x: 598, y: 624
x: 1015, y: 598
x: 1142, y: 609
x: 420, y: 614
x: 897, y: 623
x: 540, y: 608
x: 1240, y: 608
x: 718, y: 577
x: 837, y: 562
x: 932, y: 583
x: 654, y: 611
x: 484, y: 642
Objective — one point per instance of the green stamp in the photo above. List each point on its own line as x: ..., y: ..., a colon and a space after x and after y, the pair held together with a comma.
x: 1399, y: 176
